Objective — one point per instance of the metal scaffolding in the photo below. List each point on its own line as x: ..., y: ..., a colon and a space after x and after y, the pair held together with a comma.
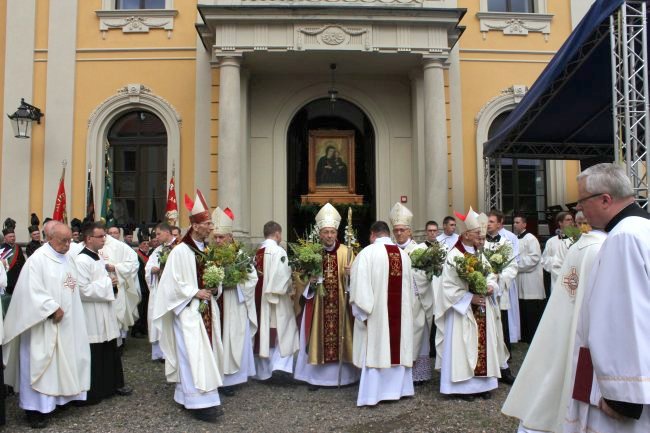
x: 629, y: 43
x: 493, y: 193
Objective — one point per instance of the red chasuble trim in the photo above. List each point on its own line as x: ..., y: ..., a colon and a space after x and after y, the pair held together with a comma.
x: 394, y: 302
x: 259, y: 267
x: 330, y: 308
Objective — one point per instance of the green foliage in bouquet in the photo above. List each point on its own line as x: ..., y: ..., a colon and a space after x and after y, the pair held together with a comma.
x: 429, y: 260
x: 472, y: 270
x: 235, y: 259
x: 500, y: 257
x: 306, y: 259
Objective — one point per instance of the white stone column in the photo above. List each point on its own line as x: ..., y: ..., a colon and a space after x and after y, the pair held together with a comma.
x: 230, y: 145
x: 436, y: 189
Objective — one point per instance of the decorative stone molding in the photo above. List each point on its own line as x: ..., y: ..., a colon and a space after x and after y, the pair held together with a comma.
x: 136, y: 94
x: 136, y: 20
x: 513, y: 23
x: 329, y: 36
x: 326, y: 2
x: 506, y: 100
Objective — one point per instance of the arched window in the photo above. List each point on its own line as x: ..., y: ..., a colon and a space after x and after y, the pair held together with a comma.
x: 523, y: 181
x: 138, y: 150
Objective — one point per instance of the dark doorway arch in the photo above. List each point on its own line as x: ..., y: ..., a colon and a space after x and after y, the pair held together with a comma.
x: 321, y: 114
x: 138, y: 151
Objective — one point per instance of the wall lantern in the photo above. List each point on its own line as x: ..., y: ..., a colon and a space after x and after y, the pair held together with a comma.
x: 22, y: 119
x: 332, y: 92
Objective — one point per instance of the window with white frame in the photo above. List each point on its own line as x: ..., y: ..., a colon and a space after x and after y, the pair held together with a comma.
x: 511, y: 6
x: 136, y: 16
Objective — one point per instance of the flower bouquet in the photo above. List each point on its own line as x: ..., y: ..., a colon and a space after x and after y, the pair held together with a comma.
x: 472, y: 270
x: 235, y: 260
x: 213, y: 275
x: 499, y: 257
x: 163, y: 255
x: 429, y: 260
x: 306, y: 259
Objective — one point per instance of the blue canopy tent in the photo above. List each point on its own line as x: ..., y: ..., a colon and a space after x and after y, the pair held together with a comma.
x: 567, y: 113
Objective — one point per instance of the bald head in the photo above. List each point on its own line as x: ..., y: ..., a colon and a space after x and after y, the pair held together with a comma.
x: 48, y: 228
x: 61, y: 237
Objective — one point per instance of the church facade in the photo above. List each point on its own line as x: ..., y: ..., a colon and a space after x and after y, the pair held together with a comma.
x: 271, y: 107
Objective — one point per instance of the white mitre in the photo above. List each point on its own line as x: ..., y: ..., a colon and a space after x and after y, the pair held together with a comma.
x: 223, y: 221
x: 400, y: 215
x: 328, y: 216
x: 471, y: 221
x: 483, y: 223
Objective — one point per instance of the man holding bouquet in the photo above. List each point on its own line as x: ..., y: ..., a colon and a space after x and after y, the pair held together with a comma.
x: 326, y: 327
x: 237, y: 306
x: 470, y: 355
x: 190, y: 339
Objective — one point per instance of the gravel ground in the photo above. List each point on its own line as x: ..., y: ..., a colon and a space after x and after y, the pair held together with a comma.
x: 280, y: 405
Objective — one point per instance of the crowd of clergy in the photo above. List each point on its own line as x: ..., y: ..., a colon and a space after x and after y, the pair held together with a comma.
x: 370, y: 319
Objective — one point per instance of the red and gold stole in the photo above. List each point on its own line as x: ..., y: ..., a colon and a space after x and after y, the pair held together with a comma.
x: 481, y: 323
x: 259, y: 267
x: 394, y: 302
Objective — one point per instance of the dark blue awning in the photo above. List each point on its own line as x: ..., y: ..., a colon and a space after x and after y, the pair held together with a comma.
x: 567, y: 113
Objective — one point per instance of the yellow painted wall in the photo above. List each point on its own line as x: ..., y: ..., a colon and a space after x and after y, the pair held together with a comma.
x: 106, y: 63
x: 489, y: 65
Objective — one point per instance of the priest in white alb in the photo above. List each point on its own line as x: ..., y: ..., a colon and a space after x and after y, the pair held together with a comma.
x: 276, y: 340
x: 611, y: 385
x: 401, y: 218
x: 540, y: 395
x: 238, y: 317
x: 381, y: 296
x: 190, y: 337
x: 470, y: 350
x: 152, y: 272
x: 325, y: 354
x: 46, y: 351
x: 122, y: 261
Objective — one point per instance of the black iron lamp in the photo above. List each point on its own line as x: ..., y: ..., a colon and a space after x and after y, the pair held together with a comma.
x: 22, y: 119
x: 332, y: 92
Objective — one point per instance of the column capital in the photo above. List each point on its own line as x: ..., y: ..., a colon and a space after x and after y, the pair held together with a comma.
x: 434, y: 62
x: 232, y: 59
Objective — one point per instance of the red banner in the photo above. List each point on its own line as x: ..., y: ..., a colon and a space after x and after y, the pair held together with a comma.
x: 171, y: 212
x: 60, y: 205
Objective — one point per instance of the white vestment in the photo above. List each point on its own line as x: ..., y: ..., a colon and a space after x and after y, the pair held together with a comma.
x: 192, y: 360
x: 540, y: 395
x: 152, y: 283
x: 448, y: 241
x: 554, y: 252
x: 125, y: 261
x: 276, y: 311
x: 239, y: 327
x: 97, y: 298
x: 614, y: 327
x: 530, y: 279
x: 49, y: 363
x: 460, y: 348
x: 380, y: 378
x: 514, y: 325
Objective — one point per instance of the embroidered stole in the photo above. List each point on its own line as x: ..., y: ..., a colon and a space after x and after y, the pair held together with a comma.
x: 259, y: 267
x: 394, y: 301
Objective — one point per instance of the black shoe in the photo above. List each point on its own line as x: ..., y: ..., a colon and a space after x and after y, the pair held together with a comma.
x: 36, y: 419
x: 466, y: 397
x: 485, y: 395
x: 124, y: 391
x: 506, y: 377
x: 208, y: 414
x: 311, y: 387
x: 228, y: 391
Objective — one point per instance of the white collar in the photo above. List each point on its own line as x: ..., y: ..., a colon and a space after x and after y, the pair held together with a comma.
x: 200, y: 245
x: 405, y: 244
x: 269, y: 243
x: 385, y: 240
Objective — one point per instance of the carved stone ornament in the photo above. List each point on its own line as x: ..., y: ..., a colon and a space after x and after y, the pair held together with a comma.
x: 510, y: 96
x: 136, y: 21
x: 515, y: 23
x: 331, y: 35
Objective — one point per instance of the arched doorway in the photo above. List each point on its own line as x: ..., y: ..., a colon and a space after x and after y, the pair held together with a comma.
x: 138, y: 151
x: 322, y: 115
